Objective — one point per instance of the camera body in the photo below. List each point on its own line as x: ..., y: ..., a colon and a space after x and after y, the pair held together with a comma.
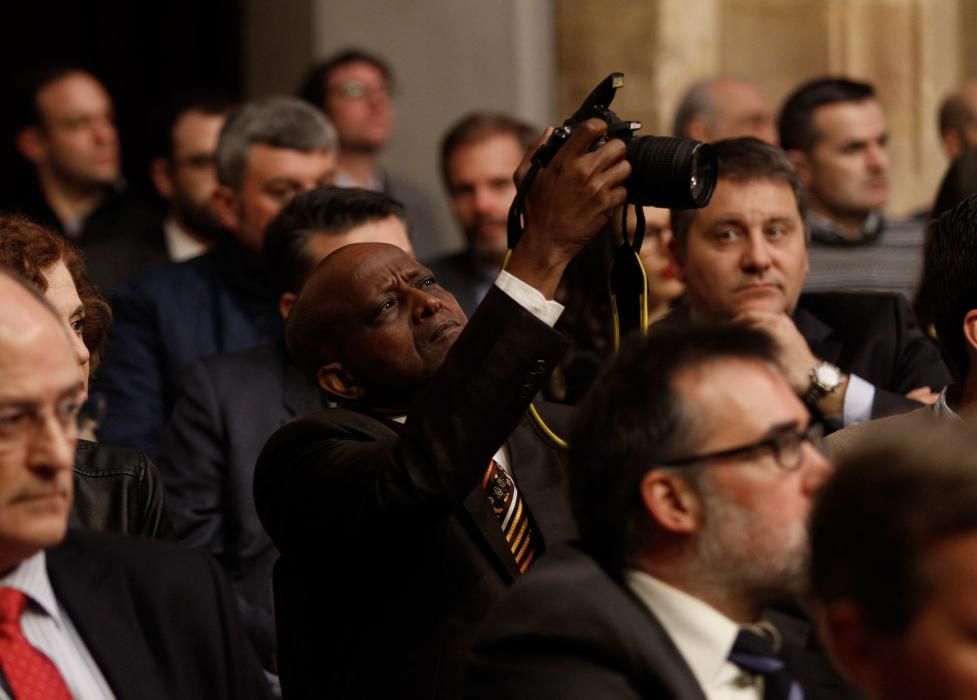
x: 673, y: 173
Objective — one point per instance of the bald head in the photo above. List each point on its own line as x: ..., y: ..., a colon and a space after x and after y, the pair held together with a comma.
x: 26, y: 315
x: 958, y: 120
x: 371, y: 323
x: 724, y: 108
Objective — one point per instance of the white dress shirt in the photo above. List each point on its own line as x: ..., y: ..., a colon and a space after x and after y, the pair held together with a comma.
x: 703, y: 635
x: 48, y: 628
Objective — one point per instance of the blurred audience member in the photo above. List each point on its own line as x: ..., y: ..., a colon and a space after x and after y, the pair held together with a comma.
x: 230, y: 404
x: 185, y: 175
x: 355, y: 90
x: 66, y: 131
x: 116, y: 489
x: 86, y: 614
x: 958, y: 120
x: 692, y: 472
x: 959, y: 182
x: 724, y: 108
x: 835, y: 133
x: 894, y: 563
x: 478, y: 157
x: 268, y: 152
x: 744, y: 259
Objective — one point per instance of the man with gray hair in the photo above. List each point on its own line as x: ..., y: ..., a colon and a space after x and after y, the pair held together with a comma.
x: 269, y: 151
x: 958, y: 120
x: 724, y: 108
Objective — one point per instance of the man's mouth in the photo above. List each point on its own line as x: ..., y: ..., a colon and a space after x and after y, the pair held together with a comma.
x: 444, y: 329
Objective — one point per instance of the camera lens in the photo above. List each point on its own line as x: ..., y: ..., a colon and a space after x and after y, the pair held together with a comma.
x: 671, y: 173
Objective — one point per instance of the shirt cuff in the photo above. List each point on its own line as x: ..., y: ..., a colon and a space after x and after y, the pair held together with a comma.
x: 530, y: 298
x: 859, y: 397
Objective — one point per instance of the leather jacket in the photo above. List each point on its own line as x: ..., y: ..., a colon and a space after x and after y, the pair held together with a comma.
x: 118, y: 489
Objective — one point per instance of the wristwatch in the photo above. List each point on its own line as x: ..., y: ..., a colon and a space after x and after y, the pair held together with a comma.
x: 825, y: 378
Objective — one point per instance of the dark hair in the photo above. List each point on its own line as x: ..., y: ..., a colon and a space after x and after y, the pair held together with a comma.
x: 959, y: 182
x: 479, y: 126
x: 887, y: 505
x: 26, y: 111
x: 29, y: 249
x: 796, y: 124
x: 313, y: 87
x: 746, y: 159
x: 330, y: 211
x: 633, y: 419
x: 174, y: 111
x: 949, y: 287
x: 955, y: 114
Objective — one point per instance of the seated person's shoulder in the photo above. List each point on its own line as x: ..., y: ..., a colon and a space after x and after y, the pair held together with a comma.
x: 843, y: 443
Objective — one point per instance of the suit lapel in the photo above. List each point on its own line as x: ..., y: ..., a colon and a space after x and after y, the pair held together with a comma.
x: 96, y: 596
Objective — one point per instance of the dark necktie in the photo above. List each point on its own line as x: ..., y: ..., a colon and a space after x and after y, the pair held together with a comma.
x: 754, y: 653
x: 29, y: 673
x: 512, y: 514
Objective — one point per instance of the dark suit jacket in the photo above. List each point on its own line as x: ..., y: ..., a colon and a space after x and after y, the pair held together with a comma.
x: 169, y: 318
x: 568, y: 630
x: 160, y: 622
x: 391, y: 553
x: 876, y: 337
x: 459, y: 274
x: 229, y: 406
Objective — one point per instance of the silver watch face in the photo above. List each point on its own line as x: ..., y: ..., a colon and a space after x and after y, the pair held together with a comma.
x: 827, y: 375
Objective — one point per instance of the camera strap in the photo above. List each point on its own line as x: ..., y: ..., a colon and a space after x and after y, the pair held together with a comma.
x: 628, y: 281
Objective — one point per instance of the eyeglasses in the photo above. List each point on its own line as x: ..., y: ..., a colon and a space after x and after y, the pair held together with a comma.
x: 786, y: 445
x: 356, y: 90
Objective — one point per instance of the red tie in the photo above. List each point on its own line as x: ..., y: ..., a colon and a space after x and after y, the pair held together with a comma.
x: 29, y: 673
x: 513, y: 516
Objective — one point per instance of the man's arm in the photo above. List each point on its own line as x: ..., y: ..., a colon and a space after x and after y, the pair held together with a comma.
x: 336, y: 474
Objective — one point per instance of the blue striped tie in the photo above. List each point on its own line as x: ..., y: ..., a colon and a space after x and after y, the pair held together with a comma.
x: 754, y: 653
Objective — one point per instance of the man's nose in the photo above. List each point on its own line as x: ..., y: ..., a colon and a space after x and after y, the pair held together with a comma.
x: 756, y: 255
x: 53, y: 443
x: 423, y: 304
x: 484, y: 202
x: 878, y: 158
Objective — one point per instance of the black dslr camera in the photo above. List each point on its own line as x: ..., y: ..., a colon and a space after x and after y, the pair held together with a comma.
x: 666, y: 172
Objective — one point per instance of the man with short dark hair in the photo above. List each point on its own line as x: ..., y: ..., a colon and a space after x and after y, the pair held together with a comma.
x: 66, y: 131
x: 743, y: 258
x: 184, y: 173
x: 478, y: 155
x: 354, y: 88
x: 268, y: 152
x: 230, y: 404
x: 958, y: 120
x: 724, y: 108
x: 86, y: 614
x: 692, y: 470
x: 402, y: 514
x: 834, y: 131
x: 894, y: 541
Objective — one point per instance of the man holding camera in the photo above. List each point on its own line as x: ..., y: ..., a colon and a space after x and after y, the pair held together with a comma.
x: 403, y: 515
x: 744, y: 259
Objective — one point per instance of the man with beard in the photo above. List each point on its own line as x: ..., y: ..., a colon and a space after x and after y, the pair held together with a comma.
x: 478, y: 155
x: 692, y: 471
x: 185, y: 175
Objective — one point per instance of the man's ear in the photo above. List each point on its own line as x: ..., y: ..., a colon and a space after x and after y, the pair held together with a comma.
x: 285, y: 303
x: 334, y: 379
x: 159, y: 172
x: 854, y: 648
x: 32, y: 145
x: 671, y: 502
x: 699, y: 129
x: 675, y: 251
x: 802, y: 165
x: 952, y: 143
x: 225, y: 205
x: 970, y: 331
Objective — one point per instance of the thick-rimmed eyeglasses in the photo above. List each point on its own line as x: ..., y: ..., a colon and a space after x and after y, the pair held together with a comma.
x: 786, y: 444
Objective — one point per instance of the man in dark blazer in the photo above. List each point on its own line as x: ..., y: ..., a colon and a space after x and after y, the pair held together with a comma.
x: 230, y: 404
x: 744, y: 259
x: 99, y: 615
x: 402, y: 515
x: 692, y: 472
x: 268, y: 151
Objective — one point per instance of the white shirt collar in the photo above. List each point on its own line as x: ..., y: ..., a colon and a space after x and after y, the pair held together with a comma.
x: 30, y: 578
x: 180, y: 245
x: 703, y: 635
